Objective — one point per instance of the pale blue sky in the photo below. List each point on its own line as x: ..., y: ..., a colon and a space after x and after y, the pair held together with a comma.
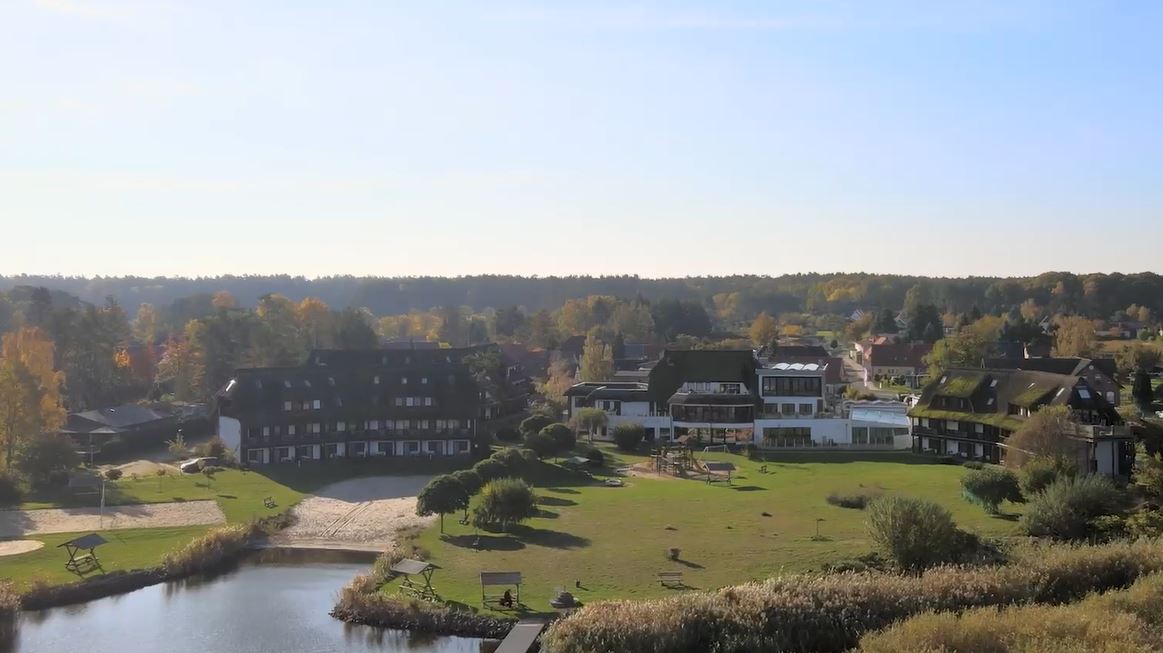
x: 661, y: 139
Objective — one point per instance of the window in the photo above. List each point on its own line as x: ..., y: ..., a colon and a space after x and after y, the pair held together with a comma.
x: 332, y: 450
x: 266, y: 431
x: 925, y: 422
x: 290, y: 429
x: 460, y: 446
x: 340, y: 427
x: 951, y: 425
x: 427, y: 401
x: 376, y: 379
x: 313, y: 428
x: 787, y: 409
x: 306, y: 383
x: 286, y: 405
x: 358, y: 448
x: 423, y: 380
x: 403, y: 380
x: 287, y: 383
x: 453, y: 423
x: 373, y: 425
x: 434, y: 446
x: 805, y: 409
x: 411, y: 401
x: 980, y: 428
x: 402, y: 425
x: 412, y: 447
x: 316, y: 404
x: 783, y: 437
x: 441, y: 424
x: 1084, y: 393
x: 399, y: 401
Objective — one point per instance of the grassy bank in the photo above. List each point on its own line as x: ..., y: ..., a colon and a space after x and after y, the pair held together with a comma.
x: 615, y: 539
x: 831, y: 612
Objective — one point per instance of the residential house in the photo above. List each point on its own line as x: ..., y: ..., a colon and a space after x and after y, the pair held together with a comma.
x: 128, y: 425
x: 904, y: 361
x: 970, y: 413
x: 734, y: 396
x: 361, y: 403
x: 1099, y: 372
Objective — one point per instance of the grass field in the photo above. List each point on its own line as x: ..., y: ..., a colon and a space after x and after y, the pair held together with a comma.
x: 614, y: 540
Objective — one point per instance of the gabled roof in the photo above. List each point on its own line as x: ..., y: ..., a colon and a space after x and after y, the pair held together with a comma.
x: 619, y: 391
x: 899, y: 355
x: 680, y: 366
x: 1064, y: 365
x: 782, y: 352
x: 119, y: 417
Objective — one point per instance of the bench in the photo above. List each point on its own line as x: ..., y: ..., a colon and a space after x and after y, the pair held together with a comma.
x: 670, y: 578
x: 269, y: 502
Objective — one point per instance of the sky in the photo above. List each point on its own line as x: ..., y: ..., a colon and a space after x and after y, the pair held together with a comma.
x: 659, y: 139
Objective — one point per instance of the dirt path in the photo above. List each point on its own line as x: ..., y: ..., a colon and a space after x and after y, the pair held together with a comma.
x: 359, y: 513
x: 16, y: 523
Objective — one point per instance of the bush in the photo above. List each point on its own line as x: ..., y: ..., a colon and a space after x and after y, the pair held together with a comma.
x: 1145, y: 523
x: 534, y: 423
x: 113, y: 474
x: 209, y: 551
x: 489, y: 469
x: 562, y: 435
x: 990, y: 486
x: 442, y: 495
x: 914, y: 533
x: 596, y: 457
x: 856, y: 500
x: 628, y: 436
x: 974, y: 464
x: 507, y: 434
x: 10, y: 493
x: 504, y: 502
x: 828, y: 613
x: 541, y: 444
x: 215, y: 447
x: 513, y: 460
x: 46, y: 461
x: 1066, y: 508
x: 1038, y: 474
x: 469, y: 479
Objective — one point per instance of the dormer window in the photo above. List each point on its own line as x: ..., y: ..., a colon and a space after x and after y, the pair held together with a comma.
x: 943, y: 379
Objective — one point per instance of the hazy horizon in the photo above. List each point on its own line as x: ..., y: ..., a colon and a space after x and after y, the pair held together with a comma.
x: 204, y: 139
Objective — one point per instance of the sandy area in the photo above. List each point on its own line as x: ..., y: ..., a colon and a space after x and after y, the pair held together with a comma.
x: 14, y: 523
x: 16, y: 547
x: 146, y: 468
x: 363, y: 513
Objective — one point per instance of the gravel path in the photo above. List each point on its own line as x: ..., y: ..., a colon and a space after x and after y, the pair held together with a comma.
x: 15, y: 523
x: 16, y: 547
x: 360, y: 513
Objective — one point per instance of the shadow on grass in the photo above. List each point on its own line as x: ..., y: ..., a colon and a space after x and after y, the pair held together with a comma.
x: 1006, y: 516
x: 688, y: 564
x: 546, y: 514
x: 563, y: 490
x: 485, y: 542
x: 556, y: 501
x: 748, y: 488
x: 550, y: 538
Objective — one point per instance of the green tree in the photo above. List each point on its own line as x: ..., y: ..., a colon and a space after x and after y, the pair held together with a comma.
x: 489, y: 469
x: 590, y: 420
x: 146, y: 325
x: 504, y: 502
x: 353, y: 330
x: 541, y: 444
x: 1074, y: 336
x: 442, y: 495
x: 1045, y: 435
x: 1068, y: 507
x: 534, y: 424
x: 969, y: 347
x: 509, y: 321
x: 1148, y: 474
x: 925, y: 323
x: 47, y: 459
x: 562, y: 435
x: 628, y: 436
x: 886, y: 322
x: 1141, y: 390
x: 453, y: 325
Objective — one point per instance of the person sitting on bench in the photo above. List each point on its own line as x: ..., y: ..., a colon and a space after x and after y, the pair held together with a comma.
x: 507, y: 599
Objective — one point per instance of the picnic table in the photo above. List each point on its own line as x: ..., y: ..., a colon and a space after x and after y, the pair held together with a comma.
x: 422, y: 571
x: 82, y: 554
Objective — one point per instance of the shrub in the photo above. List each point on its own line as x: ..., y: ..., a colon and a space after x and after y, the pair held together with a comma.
x: 514, y: 461
x: 503, y: 502
x: 46, y: 461
x: 856, y: 500
x: 562, y: 435
x: 442, y: 495
x: 113, y: 474
x: 596, y: 457
x: 215, y: 447
x: 534, y: 423
x: 974, y: 464
x: 508, y: 434
x: 990, y: 486
x: 10, y: 493
x: 1066, y: 508
x: 914, y: 533
x: 628, y: 436
x: 828, y: 613
x: 753, y: 452
x: 489, y: 469
x: 1038, y: 474
x: 1145, y: 523
x: 541, y: 444
x: 469, y: 479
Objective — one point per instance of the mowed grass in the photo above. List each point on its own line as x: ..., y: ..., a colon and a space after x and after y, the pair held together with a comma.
x: 614, y: 540
x: 239, y: 494
x: 126, y: 549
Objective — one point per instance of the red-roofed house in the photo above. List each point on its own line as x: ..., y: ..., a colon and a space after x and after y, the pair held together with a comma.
x: 905, y: 361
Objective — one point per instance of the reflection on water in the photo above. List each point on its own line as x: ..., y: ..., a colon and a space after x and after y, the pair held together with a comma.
x: 276, y: 601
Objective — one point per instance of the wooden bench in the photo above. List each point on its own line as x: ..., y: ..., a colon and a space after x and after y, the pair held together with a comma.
x: 670, y: 578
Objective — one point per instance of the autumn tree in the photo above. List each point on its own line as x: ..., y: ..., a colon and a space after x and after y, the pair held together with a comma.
x: 1131, y: 358
x: 146, y: 324
x: 633, y: 322
x: 278, y: 339
x: 969, y: 347
x: 509, y: 321
x: 30, y: 390
x: 763, y: 330
x: 597, y: 360
x: 1074, y: 336
x: 314, y: 318
x: 453, y: 326
x: 559, y: 378
x: 181, y: 370
x: 1046, y: 434
x: 353, y: 330
x: 857, y: 329
x: 223, y: 300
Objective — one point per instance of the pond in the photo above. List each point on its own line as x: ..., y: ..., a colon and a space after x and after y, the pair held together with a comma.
x: 274, y: 602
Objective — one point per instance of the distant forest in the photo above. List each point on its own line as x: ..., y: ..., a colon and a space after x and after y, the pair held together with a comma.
x: 732, y: 297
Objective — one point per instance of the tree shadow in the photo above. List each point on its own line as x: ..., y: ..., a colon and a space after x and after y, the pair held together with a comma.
x: 555, y: 501
x: 550, y: 538
x: 748, y: 488
x: 563, y: 490
x: 689, y: 564
x: 546, y: 514
x: 485, y: 542
x: 1006, y: 516
x: 227, y: 496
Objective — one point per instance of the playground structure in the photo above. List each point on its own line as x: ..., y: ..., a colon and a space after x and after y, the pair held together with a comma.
x: 673, y: 459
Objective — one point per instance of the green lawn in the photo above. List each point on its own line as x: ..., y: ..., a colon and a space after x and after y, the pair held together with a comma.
x: 614, y: 540
x: 126, y: 549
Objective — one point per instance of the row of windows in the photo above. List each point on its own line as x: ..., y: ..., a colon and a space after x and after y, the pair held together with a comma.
x: 359, y: 449
x: 712, y: 388
x: 315, y: 428
x: 787, y: 437
x: 949, y: 424
x: 792, y: 386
